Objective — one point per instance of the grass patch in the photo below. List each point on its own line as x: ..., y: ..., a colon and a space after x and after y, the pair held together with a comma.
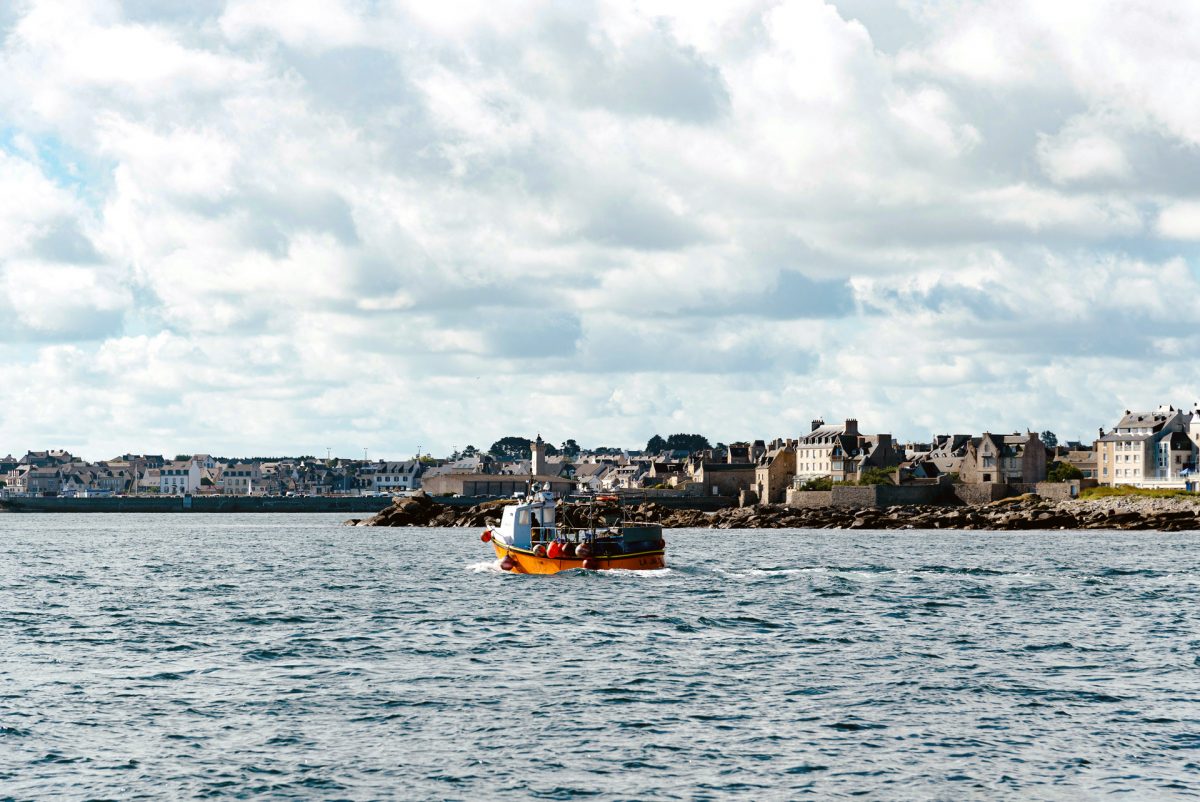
x: 1146, y: 492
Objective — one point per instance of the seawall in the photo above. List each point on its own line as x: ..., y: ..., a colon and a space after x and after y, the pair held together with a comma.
x: 201, y: 504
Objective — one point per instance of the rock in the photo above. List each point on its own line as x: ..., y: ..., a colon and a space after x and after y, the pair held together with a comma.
x: 1026, y: 512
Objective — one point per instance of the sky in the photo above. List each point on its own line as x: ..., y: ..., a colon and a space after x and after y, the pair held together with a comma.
x: 281, y: 226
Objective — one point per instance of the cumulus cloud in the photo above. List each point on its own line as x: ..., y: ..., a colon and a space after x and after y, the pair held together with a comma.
x: 1180, y: 220
x: 1083, y: 149
x: 395, y: 223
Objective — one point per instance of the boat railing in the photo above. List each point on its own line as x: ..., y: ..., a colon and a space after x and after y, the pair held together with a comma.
x: 545, y: 534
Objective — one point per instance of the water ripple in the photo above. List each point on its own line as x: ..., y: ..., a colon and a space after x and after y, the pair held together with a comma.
x: 237, y: 656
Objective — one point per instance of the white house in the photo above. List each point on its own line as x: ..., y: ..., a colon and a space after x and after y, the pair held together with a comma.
x: 179, y: 478
x: 396, y: 477
x: 1147, y: 449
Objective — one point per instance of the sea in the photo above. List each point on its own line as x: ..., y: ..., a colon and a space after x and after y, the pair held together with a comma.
x: 290, y: 657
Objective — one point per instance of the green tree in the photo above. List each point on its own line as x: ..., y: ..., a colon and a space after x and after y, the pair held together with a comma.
x: 182, y: 457
x: 571, y: 449
x: 1063, y: 472
x: 688, y: 442
x: 1049, y: 438
x: 656, y: 444
x: 818, y: 483
x: 877, y: 476
x: 513, y: 447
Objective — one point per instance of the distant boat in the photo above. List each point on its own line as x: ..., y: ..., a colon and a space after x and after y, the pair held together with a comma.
x: 530, y: 540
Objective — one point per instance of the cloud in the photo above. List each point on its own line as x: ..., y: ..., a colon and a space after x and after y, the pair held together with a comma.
x: 392, y: 223
x: 1082, y: 150
x: 302, y: 24
x: 1180, y: 220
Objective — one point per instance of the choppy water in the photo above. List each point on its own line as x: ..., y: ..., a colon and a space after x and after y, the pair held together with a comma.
x: 185, y: 656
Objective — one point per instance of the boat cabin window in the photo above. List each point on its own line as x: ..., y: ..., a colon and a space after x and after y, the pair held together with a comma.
x: 523, y: 517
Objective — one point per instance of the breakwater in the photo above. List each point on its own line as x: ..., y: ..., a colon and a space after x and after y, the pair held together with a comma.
x: 1024, y: 512
x: 420, y: 509
x: 203, y: 504
x: 349, y: 504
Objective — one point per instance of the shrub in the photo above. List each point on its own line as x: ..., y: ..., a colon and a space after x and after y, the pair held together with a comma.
x: 1063, y: 472
x: 1147, y: 492
x: 876, y: 476
x: 819, y: 483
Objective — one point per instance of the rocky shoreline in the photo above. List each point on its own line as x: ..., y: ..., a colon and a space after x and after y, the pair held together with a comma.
x: 1025, y: 512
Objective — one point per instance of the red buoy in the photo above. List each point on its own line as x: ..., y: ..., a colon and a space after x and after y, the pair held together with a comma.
x: 507, y: 564
x: 486, y: 536
x: 591, y: 565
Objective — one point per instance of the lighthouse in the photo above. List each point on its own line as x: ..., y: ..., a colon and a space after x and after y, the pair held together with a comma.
x: 537, y: 465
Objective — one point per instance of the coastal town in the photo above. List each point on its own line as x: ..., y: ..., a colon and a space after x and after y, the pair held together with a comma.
x: 1149, y: 449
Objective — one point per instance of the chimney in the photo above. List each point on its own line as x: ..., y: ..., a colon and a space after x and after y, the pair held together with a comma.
x: 817, y: 424
x: 852, y: 426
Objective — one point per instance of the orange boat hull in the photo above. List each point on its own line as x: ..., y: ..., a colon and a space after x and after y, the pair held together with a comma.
x: 529, y: 563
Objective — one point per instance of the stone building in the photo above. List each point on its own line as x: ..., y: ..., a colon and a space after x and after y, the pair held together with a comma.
x: 240, y: 478
x: 663, y: 473
x: 774, y: 473
x: 842, y: 453
x: 724, y: 478
x: 1004, y: 458
x: 945, y: 455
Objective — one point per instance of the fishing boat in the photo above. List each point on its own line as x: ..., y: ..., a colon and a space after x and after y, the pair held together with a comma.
x: 532, y: 540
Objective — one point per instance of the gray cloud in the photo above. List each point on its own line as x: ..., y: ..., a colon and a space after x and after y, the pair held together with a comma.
x: 633, y: 222
x: 62, y: 241
x: 531, y: 332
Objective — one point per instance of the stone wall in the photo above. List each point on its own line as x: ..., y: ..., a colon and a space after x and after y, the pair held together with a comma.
x: 981, y: 492
x: 809, y: 499
x: 855, y: 496
x: 1063, y: 491
x: 869, y: 496
x: 975, y: 494
x: 890, y: 496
